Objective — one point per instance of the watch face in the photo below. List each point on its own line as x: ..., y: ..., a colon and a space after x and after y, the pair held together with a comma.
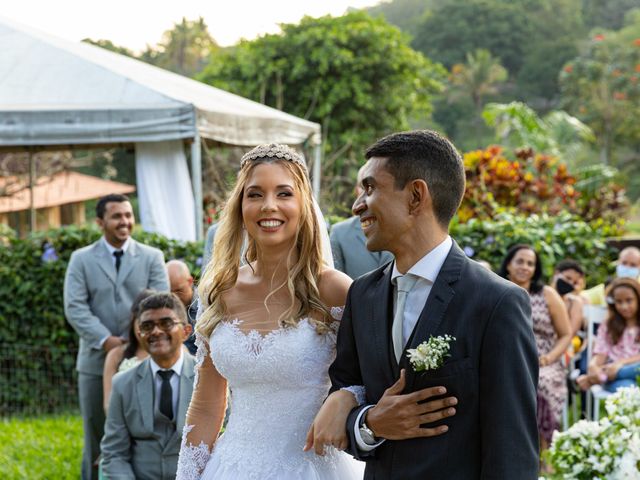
x: 367, y: 435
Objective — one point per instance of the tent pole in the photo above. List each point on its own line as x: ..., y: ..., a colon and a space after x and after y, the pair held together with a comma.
x: 196, y: 181
x: 32, y: 184
x: 317, y: 170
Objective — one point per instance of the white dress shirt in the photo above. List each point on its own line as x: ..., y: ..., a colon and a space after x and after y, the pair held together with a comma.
x: 175, y: 382
x: 112, y: 249
x: 427, y: 270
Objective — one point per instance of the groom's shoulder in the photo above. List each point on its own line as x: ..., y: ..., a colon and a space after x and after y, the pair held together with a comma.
x: 374, y: 276
x: 484, y: 279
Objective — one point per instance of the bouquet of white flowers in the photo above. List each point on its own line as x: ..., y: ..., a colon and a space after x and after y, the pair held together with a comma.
x: 608, y: 449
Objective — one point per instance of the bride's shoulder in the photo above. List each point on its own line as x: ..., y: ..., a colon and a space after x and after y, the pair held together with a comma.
x: 333, y: 286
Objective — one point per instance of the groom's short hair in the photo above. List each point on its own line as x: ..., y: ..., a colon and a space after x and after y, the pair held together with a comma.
x: 425, y: 155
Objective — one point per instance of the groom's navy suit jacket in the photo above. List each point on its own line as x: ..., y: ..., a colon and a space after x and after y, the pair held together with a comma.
x: 492, y: 370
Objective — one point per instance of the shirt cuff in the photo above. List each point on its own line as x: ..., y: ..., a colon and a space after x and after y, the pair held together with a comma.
x: 102, y: 340
x: 362, y: 445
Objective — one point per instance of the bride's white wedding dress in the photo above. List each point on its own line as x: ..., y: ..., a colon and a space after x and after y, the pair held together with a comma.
x: 278, y: 383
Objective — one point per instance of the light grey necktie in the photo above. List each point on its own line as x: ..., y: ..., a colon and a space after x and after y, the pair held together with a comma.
x: 404, y: 284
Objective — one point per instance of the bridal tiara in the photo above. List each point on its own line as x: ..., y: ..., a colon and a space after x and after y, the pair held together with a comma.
x: 273, y: 150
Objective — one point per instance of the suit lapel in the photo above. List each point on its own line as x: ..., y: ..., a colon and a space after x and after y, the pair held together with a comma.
x: 439, y: 298
x: 379, y: 303
x: 104, y: 260
x: 144, y: 392
x: 128, y: 261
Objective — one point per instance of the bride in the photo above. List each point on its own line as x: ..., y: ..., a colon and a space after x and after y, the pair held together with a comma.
x: 267, y: 333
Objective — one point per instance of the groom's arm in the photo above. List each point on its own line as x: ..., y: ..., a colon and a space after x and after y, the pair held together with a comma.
x: 508, y: 381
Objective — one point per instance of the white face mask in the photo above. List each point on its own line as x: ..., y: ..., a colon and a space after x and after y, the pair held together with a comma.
x: 624, y: 271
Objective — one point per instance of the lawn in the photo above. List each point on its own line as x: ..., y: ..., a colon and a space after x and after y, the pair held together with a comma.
x: 48, y: 447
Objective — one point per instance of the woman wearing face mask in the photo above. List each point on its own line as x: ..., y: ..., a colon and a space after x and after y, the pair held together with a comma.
x: 616, y: 359
x: 568, y: 280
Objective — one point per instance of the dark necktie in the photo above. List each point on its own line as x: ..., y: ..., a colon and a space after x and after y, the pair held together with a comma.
x: 166, y: 393
x: 118, y: 254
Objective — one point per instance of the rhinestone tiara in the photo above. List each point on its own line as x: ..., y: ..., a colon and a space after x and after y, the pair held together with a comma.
x: 273, y: 150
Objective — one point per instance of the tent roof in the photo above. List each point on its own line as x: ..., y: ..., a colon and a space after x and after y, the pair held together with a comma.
x: 54, y: 91
x: 60, y: 189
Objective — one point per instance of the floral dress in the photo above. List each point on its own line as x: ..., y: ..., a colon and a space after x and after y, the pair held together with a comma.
x: 552, y: 382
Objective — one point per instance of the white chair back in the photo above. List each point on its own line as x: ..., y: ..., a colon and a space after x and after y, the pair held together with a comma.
x: 594, y: 315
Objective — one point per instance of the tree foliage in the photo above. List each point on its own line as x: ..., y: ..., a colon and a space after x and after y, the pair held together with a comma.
x: 602, y: 88
x: 355, y: 75
x: 184, y: 49
x: 455, y: 29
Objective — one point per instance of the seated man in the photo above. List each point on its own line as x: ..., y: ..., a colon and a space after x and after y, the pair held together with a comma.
x: 149, y: 402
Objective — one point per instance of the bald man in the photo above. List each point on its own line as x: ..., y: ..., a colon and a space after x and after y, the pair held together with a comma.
x: 181, y: 283
x: 627, y: 266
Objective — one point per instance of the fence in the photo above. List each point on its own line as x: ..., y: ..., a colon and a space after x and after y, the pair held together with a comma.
x: 36, y: 379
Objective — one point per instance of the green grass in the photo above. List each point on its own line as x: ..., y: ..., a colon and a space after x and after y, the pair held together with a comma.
x: 48, y: 447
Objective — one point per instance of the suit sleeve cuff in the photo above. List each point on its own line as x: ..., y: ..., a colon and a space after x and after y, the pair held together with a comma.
x: 362, y: 445
x: 101, y: 342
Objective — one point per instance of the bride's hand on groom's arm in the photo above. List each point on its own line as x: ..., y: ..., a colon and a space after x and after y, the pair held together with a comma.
x: 398, y: 416
x: 329, y: 426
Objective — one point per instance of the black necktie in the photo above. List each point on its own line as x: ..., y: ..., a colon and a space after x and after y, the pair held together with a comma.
x: 118, y: 254
x: 166, y: 394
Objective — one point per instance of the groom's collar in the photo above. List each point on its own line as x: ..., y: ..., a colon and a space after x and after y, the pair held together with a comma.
x: 428, y: 267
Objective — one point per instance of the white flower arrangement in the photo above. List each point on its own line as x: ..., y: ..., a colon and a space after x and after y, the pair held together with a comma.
x: 607, y: 449
x: 430, y: 355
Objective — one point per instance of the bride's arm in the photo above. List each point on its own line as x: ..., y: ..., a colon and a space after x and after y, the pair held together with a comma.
x: 204, y: 417
x: 329, y: 426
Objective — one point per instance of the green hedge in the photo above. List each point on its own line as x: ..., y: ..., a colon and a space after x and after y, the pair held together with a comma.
x: 37, y: 345
x: 555, y: 237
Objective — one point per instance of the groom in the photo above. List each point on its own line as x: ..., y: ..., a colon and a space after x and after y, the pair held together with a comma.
x: 412, y: 186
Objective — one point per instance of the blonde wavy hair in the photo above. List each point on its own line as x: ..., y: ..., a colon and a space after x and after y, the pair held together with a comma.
x: 304, y: 268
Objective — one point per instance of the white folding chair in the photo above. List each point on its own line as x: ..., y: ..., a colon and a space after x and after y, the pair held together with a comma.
x: 595, y: 315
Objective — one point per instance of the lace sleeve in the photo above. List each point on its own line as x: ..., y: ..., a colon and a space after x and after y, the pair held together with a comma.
x: 204, y: 417
x: 358, y: 391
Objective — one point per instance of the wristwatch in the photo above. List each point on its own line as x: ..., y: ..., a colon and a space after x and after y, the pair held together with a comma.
x: 366, y: 433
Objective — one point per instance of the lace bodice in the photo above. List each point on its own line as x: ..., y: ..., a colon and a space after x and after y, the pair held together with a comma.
x: 277, y: 384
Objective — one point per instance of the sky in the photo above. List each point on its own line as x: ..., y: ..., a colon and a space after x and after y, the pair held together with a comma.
x: 136, y: 23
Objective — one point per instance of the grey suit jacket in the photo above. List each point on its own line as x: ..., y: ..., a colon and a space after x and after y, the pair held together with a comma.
x: 97, y: 301
x: 131, y: 449
x: 350, y: 254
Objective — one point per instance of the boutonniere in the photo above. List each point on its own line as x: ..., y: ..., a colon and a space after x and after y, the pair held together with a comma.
x: 430, y: 355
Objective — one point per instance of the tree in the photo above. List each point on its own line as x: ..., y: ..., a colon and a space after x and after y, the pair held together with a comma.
x: 607, y: 14
x: 355, y: 75
x: 557, y: 133
x: 184, y: 49
x: 602, y: 88
x: 109, y: 45
x: 480, y: 76
x: 449, y: 32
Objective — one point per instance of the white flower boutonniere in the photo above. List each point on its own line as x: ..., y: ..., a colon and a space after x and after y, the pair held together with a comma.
x: 430, y: 354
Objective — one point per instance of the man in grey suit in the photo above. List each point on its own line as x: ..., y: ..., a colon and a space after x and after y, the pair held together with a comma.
x: 101, y: 282
x: 348, y: 243
x: 148, y: 404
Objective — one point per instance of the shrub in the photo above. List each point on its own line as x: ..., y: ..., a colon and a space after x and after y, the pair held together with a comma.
x: 537, y: 183
x: 553, y: 236
x: 38, y: 346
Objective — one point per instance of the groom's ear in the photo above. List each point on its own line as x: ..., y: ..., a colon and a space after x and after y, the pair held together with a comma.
x: 420, y: 197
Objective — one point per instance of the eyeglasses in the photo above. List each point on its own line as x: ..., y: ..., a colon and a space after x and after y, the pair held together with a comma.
x: 166, y: 324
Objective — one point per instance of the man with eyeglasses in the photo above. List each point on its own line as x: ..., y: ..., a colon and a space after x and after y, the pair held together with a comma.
x: 149, y: 402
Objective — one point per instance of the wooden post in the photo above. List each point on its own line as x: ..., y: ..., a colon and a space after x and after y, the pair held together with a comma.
x: 32, y: 181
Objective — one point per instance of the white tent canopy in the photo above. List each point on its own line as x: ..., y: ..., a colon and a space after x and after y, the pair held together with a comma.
x: 57, y: 92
